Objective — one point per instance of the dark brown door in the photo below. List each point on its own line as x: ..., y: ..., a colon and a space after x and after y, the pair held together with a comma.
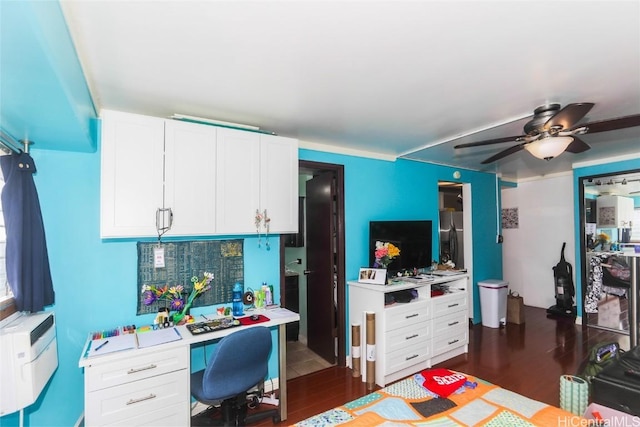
x: 321, y: 320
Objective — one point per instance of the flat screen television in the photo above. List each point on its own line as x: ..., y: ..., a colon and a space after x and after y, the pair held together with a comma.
x: 412, y: 237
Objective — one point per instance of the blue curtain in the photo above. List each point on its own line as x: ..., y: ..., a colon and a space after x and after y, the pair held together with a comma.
x: 27, y: 258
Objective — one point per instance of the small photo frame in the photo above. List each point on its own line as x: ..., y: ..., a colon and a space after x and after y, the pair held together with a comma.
x: 376, y: 276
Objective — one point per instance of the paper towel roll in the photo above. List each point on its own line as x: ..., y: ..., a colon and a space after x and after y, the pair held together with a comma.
x: 574, y: 394
x: 371, y: 350
x: 355, y: 350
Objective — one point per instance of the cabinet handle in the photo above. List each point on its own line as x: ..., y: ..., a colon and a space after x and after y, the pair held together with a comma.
x: 411, y: 336
x: 133, y: 371
x: 453, y: 323
x: 453, y: 305
x: 453, y: 342
x: 142, y: 399
x: 411, y: 357
x: 412, y: 315
x: 161, y: 213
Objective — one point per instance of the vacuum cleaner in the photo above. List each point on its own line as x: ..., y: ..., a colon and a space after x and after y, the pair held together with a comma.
x: 565, y: 291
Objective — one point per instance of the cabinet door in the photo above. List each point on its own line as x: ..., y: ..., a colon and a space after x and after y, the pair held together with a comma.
x: 190, y: 177
x: 132, y: 148
x: 279, y: 182
x: 237, y: 181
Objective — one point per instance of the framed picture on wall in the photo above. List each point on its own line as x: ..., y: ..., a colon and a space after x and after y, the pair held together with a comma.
x: 376, y: 276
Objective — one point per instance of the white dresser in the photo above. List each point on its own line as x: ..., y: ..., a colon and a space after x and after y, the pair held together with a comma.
x: 415, y: 335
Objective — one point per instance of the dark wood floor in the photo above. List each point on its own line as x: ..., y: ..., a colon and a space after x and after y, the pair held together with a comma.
x: 528, y: 359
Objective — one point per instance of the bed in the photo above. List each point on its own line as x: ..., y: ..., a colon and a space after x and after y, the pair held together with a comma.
x: 410, y: 403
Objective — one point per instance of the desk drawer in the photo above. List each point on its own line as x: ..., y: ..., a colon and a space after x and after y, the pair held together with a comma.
x: 449, y: 303
x: 119, y: 405
x: 99, y: 376
x: 409, y: 335
x: 407, y: 356
x: 407, y: 314
x: 450, y: 323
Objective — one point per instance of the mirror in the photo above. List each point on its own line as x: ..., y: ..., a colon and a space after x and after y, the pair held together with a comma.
x: 607, y: 205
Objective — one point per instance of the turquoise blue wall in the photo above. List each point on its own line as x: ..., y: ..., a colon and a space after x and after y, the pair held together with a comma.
x: 96, y: 284
x: 577, y: 174
x: 404, y: 189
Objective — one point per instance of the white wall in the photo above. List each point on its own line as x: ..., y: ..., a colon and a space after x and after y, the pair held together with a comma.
x: 545, y: 211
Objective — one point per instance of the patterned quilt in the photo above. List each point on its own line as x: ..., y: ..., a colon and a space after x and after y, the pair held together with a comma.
x: 476, y: 403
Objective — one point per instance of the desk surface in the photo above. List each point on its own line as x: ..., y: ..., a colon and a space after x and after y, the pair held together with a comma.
x: 277, y: 316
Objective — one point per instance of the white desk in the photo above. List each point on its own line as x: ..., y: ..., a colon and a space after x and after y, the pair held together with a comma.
x: 151, y: 386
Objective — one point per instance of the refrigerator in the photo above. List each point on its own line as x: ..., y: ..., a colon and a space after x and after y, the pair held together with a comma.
x: 452, y: 237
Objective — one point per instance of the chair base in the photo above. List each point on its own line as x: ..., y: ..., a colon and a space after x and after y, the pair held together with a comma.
x: 233, y: 413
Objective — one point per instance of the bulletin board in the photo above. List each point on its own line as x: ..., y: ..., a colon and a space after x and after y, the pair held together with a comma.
x: 183, y: 260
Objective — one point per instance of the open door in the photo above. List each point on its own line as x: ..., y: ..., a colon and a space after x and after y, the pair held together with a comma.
x: 321, y: 231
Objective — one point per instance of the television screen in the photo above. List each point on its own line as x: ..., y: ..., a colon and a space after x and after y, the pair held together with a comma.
x: 413, y: 238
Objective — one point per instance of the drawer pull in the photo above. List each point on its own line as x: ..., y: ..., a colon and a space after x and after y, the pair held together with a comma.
x: 411, y: 336
x: 453, y: 305
x: 133, y: 371
x: 411, y: 357
x: 142, y: 399
x: 412, y: 315
x: 453, y: 323
x: 453, y: 342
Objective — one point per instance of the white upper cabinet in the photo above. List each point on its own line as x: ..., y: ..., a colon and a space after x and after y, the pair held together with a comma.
x: 279, y: 182
x: 256, y: 173
x: 201, y: 179
x: 190, y: 178
x: 614, y: 212
x: 132, y: 148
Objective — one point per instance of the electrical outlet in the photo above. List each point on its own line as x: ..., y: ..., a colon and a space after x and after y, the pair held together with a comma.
x: 299, y: 261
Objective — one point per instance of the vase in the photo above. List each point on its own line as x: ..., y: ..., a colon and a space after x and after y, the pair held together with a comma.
x: 179, y: 316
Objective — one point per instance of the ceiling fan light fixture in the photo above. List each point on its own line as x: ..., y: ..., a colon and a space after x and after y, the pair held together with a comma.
x: 549, y: 147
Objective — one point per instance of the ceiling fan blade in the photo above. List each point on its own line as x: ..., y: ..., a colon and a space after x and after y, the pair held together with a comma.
x: 577, y: 146
x: 488, y: 142
x: 613, y: 124
x: 504, y: 153
x: 569, y: 115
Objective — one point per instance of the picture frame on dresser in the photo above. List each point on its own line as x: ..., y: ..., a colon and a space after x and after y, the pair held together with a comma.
x: 374, y: 276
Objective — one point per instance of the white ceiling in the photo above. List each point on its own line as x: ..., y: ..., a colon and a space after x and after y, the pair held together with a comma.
x: 397, y: 78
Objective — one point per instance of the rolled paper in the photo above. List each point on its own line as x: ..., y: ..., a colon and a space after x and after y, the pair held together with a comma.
x: 574, y: 394
x: 355, y: 350
x: 371, y: 350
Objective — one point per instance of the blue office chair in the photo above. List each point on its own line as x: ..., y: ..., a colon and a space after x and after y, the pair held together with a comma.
x: 238, y: 363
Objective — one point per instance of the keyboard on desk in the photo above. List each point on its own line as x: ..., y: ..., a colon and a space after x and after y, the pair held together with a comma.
x: 212, y: 325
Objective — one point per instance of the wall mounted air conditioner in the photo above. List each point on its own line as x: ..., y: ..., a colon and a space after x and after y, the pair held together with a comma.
x: 28, y: 358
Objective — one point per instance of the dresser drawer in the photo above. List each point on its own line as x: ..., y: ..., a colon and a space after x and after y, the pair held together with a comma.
x: 409, y: 335
x: 450, y: 323
x: 121, y: 404
x: 408, y: 356
x: 122, y: 371
x: 444, y: 343
x: 407, y: 314
x: 449, y: 303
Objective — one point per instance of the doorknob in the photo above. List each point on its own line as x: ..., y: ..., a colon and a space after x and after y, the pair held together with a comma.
x: 307, y: 272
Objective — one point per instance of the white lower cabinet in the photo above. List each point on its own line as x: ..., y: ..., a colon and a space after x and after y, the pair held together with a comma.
x: 413, y: 336
x: 150, y: 389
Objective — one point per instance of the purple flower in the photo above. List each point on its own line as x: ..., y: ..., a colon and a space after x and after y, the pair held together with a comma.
x: 148, y: 297
x: 177, y: 304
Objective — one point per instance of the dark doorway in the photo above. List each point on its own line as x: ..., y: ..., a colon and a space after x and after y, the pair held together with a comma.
x: 324, y: 315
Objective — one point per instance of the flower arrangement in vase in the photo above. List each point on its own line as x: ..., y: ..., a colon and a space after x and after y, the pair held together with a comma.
x: 174, y: 295
x: 384, y: 253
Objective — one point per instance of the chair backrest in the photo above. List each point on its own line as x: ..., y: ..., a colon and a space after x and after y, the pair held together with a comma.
x: 239, y: 362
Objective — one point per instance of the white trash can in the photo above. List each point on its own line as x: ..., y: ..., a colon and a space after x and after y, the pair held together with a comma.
x: 493, y: 302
